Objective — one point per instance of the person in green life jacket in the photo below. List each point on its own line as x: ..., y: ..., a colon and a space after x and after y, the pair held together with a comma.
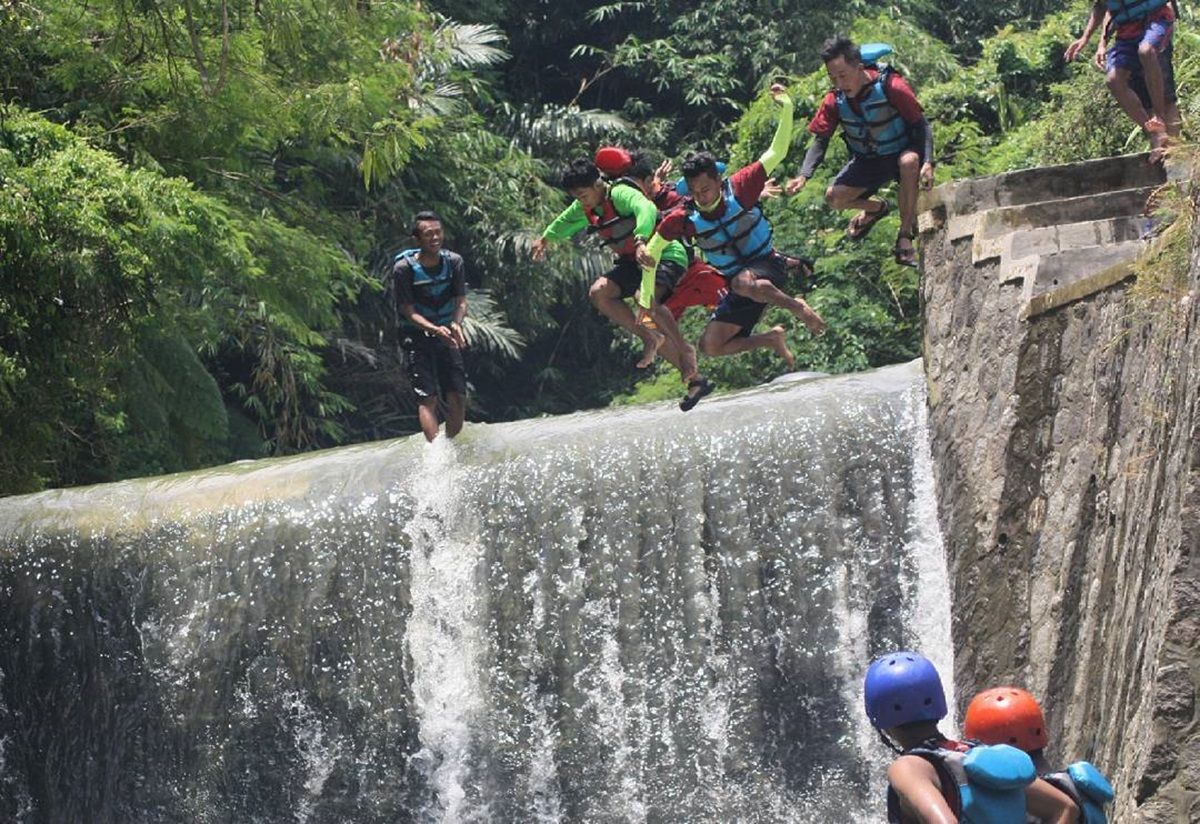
x: 622, y: 216
x: 722, y: 218
x: 430, y: 288
x: 888, y: 137
x: 1142, y: 32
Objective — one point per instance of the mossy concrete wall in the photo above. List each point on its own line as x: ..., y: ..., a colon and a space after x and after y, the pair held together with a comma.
x: 1067, y: 453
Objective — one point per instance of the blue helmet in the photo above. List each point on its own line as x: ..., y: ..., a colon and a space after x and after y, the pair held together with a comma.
x: 903, y: 687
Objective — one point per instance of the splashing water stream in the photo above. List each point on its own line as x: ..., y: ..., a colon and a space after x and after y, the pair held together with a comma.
x: 629, y: 615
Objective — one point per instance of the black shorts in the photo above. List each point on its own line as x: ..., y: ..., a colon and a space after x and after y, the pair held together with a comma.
x: 433, y: 364
x: 869, y: 173
x: 1137, y: 81
x: 628, y: 276
x: 743, y: 312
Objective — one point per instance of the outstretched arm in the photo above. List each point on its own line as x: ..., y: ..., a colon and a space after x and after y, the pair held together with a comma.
x: 778, y: 150
x: 570, y: 221
x: 1073, y: 50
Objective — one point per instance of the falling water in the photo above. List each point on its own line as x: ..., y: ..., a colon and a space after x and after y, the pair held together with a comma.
x: 629, y: 615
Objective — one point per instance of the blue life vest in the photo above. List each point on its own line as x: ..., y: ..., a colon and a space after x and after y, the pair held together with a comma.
x: 879, y: 130
x: 737, y: 238
x: 988, y: 781
x: 1087, y: 787
x: 1126, y: 11
x: 433, y: 292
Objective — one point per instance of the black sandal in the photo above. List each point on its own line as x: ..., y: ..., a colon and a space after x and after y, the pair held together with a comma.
x: 905, y: 257
x: 799, y: 268
x: 862, y: 224
x: 704, y: 385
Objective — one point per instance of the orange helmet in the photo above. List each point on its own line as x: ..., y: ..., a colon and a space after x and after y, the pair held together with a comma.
x: 1006, y: 715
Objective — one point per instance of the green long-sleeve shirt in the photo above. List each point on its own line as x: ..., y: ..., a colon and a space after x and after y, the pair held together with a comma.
x: 627, y: 201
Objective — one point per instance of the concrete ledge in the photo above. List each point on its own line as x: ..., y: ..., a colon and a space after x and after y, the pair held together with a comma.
x: 1067, y: 277
x: 1047, y: 183
x: 1049, y: 240
x: 1007, y: 219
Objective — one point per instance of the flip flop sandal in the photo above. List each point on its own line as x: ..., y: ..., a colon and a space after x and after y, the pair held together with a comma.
x: 905, y: 257
x: 689, y: 401
x: 862, y: 224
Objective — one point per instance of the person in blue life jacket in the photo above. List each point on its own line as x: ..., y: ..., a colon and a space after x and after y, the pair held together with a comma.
x: 723, y: 219
x: 430, y: 288
x: 887, y: 134
x: 936, y: 780
x: 1010, y: 715
x: 1136, y: 37
x: 621, y: 216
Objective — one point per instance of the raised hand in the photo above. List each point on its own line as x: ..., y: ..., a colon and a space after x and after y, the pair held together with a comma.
x: 663, y: 173
x: 538, y: 250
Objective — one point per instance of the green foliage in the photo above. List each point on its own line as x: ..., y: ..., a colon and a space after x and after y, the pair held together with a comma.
x: 197, y: 226
x: 1159, y: 295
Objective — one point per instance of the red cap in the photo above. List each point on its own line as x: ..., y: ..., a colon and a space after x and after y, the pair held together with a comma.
x: 612, y: 161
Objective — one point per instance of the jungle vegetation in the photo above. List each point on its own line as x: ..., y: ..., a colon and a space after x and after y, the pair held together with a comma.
x: 200, y: 202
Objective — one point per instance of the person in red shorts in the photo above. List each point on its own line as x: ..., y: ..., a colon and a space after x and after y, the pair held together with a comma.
x: 1142, y: 31
x: 888, y: 137
x: 722, y: 217
x: 701, y: 283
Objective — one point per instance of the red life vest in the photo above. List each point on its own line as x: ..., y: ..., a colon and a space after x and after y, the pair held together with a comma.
x: 614, y: 229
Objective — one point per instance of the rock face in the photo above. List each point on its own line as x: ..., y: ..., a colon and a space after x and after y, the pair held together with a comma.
x: 1065, y: 419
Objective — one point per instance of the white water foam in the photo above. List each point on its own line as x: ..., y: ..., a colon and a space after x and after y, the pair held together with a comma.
x: 444, y: 637
x: 930, y: 616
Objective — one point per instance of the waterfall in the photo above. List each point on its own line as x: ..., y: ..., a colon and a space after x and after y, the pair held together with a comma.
x: 629, y: 615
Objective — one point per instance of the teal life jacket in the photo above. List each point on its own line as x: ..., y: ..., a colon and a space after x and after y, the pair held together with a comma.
x: 878, y: 130
x: 737, y: 238
x: 983, y: 785
x: 1126, y: 11
x: 1087, y: 787
x: 433, y: 292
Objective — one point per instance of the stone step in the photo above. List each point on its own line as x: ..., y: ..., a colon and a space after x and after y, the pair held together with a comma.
x: 1064, y: 277
x: 1007, y: 219
x: 1048, y: 240
x: 1047, y: 183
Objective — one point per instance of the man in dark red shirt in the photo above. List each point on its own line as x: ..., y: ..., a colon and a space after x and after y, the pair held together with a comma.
x: 722, y: 217
x: 888, y: 137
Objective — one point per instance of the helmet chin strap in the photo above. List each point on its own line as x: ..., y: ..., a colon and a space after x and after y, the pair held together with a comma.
x: 889, y: 743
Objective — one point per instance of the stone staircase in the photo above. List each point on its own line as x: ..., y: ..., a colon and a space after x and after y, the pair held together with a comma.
x: 1061, y: 232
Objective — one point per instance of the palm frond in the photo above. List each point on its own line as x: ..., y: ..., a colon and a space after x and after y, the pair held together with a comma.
x: 543, y: 130
x: 486, y: 328
x: 472, y: 45
x: 601, y: 14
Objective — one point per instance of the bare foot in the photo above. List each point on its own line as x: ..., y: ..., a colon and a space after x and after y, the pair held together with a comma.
x: 1158, y: 139
x: 653, y: 340
x: 814, y: 322
x: 779, y: 344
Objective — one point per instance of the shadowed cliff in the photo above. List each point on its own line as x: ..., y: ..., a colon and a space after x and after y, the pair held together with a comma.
x: 1064, y: 395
